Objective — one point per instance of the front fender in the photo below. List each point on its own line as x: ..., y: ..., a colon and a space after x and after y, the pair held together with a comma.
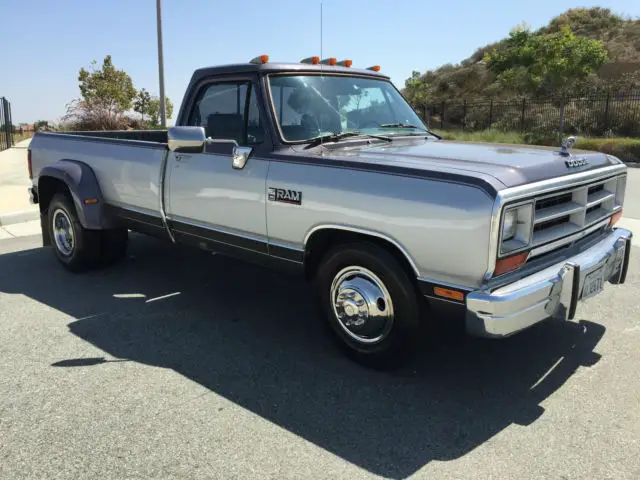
x: 85, y: 191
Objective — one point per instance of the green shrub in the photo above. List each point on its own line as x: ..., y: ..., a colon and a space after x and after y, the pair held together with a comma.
x: 489, y: 136
x: 626, y: 149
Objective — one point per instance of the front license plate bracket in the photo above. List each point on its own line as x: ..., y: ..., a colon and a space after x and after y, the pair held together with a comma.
x: 593, y: 283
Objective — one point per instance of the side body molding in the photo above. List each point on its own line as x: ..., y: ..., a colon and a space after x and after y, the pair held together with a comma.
x: 81, y: 181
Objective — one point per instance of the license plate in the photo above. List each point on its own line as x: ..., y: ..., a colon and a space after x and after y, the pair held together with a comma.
x: 593, y: 283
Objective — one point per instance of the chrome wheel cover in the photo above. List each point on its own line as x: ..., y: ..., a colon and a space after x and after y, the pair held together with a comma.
x: 63, y: 232
x: 362, y: 304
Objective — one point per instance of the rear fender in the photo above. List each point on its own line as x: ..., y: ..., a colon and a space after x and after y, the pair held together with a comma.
x: 83, y: 186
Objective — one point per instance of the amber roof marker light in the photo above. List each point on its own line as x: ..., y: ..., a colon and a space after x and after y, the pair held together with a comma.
x: 328, y: 61
x: 311, y: 60
x: 345, y: 63
x: 375, y: 68
x: 260, y: 59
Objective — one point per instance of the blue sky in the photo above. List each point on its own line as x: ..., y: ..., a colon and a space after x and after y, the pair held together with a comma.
x: 49, y: 41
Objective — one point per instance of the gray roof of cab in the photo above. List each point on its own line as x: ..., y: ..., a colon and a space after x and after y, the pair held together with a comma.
x: 279, y: 67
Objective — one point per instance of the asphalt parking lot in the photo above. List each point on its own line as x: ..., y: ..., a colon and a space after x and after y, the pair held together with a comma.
x: 178, y: 364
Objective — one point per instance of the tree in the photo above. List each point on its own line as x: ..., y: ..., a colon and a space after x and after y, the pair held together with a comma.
x: 416, y: 89
x: 154, y: 110
x: 106, y: 89
x: 41, y: 125
x: 529, y: 62
x: 142, y: 102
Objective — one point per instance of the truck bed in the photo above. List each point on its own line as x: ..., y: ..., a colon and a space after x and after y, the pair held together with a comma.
x: 126, y: 163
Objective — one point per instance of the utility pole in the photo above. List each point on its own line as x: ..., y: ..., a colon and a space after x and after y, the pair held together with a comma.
x: 163, y: 115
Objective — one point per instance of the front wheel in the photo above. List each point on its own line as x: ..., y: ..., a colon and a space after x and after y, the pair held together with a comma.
x: 370, y: 303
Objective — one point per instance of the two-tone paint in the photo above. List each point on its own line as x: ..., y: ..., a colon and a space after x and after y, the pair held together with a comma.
x: 438, y: 203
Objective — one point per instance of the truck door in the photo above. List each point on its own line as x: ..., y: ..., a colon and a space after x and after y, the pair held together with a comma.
x: 209, y: 203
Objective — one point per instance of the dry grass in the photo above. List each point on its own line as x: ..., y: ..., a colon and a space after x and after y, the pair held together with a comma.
x: 18, y: 137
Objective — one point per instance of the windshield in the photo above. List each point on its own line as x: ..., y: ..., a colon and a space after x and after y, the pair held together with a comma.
x: 309, y: 106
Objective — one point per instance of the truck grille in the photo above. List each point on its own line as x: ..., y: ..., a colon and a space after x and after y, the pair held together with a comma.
x: 560, y: 218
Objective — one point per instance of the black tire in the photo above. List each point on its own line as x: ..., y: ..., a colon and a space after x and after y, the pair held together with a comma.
x: 113, y: 245
x: 392, y: 348
x: 84, y: 253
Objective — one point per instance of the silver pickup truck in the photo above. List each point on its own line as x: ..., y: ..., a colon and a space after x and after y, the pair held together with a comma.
x: 325, y: 170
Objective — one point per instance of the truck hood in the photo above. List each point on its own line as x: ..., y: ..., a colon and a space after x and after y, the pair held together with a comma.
x: 512, y: 165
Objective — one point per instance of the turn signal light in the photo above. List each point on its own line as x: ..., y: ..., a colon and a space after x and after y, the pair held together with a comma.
x: 260, y: 59
x: 91, y: 201
x: 615, y: 217
x: 448, y: 293
x: 509, y: 264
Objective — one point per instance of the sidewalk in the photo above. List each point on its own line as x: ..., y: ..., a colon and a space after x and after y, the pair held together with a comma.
x: 14, y: 181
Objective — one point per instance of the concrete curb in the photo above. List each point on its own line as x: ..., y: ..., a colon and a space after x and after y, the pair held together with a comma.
x: 19, y: 217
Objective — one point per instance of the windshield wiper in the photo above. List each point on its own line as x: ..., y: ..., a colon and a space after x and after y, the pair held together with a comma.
x: 337, y: 136
x: 408, y: 125
x: 400, y: 125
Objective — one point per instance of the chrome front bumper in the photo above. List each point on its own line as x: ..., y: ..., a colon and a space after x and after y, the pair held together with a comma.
x: 552, y: 292
x: 33, y: 196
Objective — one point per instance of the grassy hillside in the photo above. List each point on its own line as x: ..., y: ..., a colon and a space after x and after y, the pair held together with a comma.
x: 472, y: 80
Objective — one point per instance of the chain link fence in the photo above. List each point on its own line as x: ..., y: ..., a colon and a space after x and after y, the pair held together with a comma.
x: 603, y: 115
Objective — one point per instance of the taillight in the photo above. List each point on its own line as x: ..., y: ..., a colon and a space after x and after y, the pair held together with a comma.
x: 29, y: 164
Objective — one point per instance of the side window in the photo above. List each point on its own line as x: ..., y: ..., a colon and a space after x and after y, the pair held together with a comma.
x: 222, y: 110
x: 255, y: 127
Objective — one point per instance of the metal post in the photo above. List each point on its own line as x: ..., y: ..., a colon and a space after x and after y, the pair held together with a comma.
x: 561, y: 131
x: 5, y: 120
x: 163, y: 116
x: 442, y: 116
x: 2, y: 146
x: 490, y: 112
x: 607, y: 123
x: 524, y: 100
x: 9, y: 121
x: 464, y: 115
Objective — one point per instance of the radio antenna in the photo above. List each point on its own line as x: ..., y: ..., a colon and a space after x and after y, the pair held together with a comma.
x: 321, y: 77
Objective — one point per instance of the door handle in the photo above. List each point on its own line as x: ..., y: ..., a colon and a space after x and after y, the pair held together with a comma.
x: 181, y: 156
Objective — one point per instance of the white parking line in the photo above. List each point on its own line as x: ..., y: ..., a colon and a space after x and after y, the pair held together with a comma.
x: 4, y: 234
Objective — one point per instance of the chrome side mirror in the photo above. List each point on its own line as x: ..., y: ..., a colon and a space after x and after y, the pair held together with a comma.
x: 186, y: 139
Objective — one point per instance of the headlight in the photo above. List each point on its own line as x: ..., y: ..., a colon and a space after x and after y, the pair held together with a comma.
x: 517, y: 226
x: 509, y: 224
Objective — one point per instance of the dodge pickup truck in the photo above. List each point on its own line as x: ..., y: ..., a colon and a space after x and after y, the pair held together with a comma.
x: 324, y: 170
